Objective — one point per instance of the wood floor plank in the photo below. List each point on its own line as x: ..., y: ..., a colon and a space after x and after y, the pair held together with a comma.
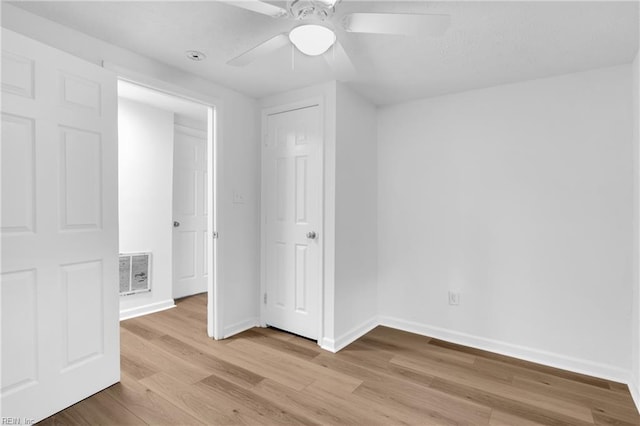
x: 497, y: 388
x: 333, y: 410
x: 308, y: 370
x: 256, y: 404
x: 598, y: 399
x: 102, y: 409
x: 137, y: 328
x: 594, y: 381
x: 380, y: 414
x: 135, y: 369
x: 291, y: 346
x: 265, y: 368
x: 211, y: 363
x: 194, y: 401
x: 148, y: 405
x: 606, y: 420
x: 173, y: 373
x: 361, y: 372
x: 148, y: 355
x: 500, y: 418
x: 426, y: 403
x: 524, y: 377
x: 431, y: 351
x: 528, y: 409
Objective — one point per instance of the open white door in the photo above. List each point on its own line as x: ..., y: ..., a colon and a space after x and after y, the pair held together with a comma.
x: 292, y: 196
x: 59, y: 229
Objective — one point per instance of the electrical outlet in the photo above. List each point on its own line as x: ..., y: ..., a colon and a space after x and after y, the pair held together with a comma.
x: 454, y: 298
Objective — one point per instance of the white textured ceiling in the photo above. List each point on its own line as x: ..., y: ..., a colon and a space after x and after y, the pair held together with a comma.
x: 488, y: 43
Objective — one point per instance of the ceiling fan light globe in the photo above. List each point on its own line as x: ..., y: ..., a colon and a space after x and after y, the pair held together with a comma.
x: 312, y: 39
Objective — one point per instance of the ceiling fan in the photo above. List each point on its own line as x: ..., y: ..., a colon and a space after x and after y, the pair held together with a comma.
x: 314, y: 31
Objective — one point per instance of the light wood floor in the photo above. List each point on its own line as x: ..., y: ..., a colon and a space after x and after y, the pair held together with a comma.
x: 173, y: 374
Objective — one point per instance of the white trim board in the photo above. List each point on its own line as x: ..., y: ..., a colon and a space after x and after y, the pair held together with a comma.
x: 634, y: 389
x: 146, y: 309
x: 577, y: 365
x: 334, y: 345
x: 239, y: 327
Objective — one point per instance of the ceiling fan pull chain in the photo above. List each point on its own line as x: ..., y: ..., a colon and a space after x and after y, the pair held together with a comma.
x: 293, y: 58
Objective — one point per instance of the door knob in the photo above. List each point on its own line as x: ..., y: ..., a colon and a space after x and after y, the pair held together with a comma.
x: 176, y: 223
x: 311, y: 235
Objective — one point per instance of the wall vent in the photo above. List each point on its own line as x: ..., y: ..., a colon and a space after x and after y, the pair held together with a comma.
x: 135, y: 273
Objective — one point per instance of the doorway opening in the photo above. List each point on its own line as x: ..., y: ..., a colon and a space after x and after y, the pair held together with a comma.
x: 166, y: 198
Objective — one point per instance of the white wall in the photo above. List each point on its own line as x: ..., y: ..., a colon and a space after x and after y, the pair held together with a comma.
x: 519, y: 197
x: 239, y: 155
x: 635, y: 339
x: 356, y: 218
x: 145, y: 186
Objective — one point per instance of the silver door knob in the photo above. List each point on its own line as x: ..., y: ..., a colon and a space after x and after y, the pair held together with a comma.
x: 311, y: 235
x: 176, y: 223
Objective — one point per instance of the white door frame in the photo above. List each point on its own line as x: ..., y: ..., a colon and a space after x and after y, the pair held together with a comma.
x: 214, y: 305
x: 266, y: 112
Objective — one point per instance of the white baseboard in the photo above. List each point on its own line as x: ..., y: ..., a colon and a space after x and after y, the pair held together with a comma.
x: 634, y: 388
x: 146, y: 309
x: 582, y: 366
x: 239, y: 327
x: 334, y: 345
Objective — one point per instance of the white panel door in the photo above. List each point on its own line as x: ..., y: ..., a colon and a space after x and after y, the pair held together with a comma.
x: 292, y: 190
x: 190, y: 268
x: 59, y: 229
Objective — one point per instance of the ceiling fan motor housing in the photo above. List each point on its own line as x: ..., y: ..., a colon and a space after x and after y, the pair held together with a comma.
x: 312, y: 9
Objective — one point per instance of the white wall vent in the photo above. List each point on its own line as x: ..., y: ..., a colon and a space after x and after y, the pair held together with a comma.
x: 135, y: 270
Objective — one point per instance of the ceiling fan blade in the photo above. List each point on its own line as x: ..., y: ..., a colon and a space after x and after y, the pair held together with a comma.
x: 262, y: 49
x: 340, y: 63
x: 396, y: 23
x: 258, y: 7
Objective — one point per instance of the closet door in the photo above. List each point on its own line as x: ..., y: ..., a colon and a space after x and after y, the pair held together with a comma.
x: 292, y: 197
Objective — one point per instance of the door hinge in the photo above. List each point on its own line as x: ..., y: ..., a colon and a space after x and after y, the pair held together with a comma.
x: 265, y: 298
x: 215, y: 235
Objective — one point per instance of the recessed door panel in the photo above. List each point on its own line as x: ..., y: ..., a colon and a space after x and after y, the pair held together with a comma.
x: 185, y: 244
x: 301, y: 278
x: 79, y: 92
x: 83, y: 336
x: 185, y: 198
x: 18, y: 174
x: 19, y: 330
x: 17, y: 74
x: 81, y: 179
x: 301, y: 194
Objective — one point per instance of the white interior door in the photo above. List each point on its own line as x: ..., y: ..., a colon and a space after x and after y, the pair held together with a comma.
x: 59, y: 229
x: 190, y: 242
x: 292, y: 195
